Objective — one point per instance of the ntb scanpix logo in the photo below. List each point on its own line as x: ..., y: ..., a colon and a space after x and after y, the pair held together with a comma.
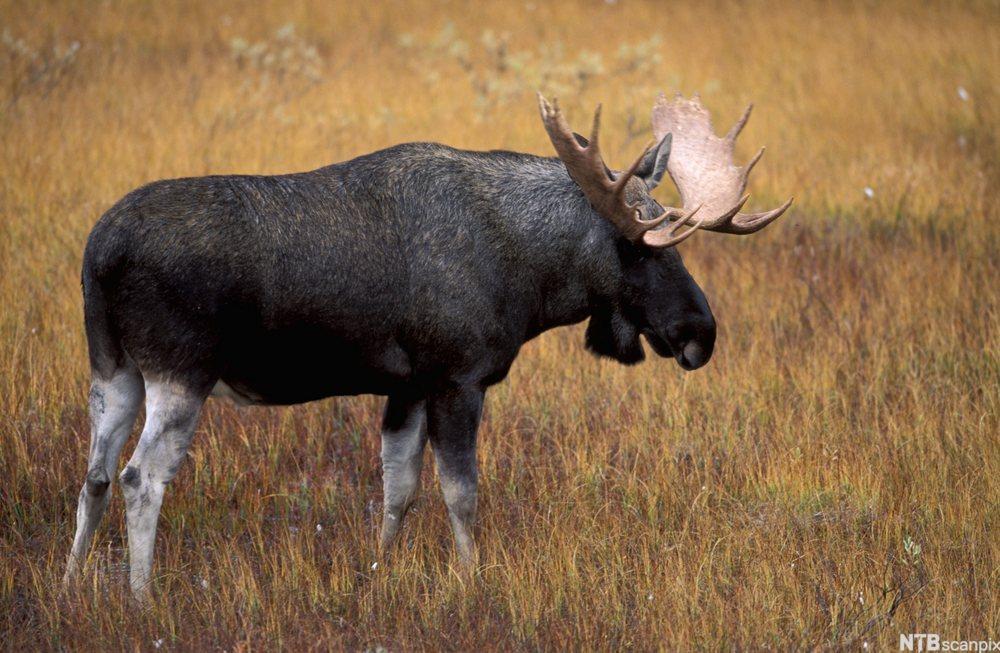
x: 933, y: 642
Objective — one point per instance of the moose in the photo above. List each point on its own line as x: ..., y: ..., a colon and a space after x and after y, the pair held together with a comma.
x: 416, y: 273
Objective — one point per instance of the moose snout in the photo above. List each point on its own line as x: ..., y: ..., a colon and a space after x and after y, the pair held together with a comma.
x: 692, y: 343
x: 693, y: 355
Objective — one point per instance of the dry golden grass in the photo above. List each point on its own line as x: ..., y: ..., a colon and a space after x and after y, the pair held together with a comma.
x: 831, y: 479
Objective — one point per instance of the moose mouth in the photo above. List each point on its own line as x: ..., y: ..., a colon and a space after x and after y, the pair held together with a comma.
x: 690, y: 355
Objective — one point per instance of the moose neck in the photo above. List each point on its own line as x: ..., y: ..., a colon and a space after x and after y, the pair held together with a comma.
x: 568, y: 253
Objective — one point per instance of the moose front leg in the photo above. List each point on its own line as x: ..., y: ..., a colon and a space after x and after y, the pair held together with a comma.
x: 404, y: 434
x: 452, y: 422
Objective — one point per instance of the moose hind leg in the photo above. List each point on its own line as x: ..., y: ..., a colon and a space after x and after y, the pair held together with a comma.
x: 404, y: 435
x: 114, y: 405
x: 171, y: 415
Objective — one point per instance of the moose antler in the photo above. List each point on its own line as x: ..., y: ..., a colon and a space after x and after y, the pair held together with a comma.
x: 604, y: 192
x: 701, y: 165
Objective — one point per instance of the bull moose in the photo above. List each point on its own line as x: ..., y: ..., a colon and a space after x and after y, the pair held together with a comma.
x: 416, y: 272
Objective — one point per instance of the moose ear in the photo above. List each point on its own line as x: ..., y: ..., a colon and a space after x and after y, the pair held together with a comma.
x: 654, y: 163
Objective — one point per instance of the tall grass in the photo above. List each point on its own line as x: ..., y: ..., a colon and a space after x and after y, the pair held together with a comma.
x: 830, y: 479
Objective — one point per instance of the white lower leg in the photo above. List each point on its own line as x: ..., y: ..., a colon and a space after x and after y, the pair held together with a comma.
x: 172, y: 411
x: 402, y: 460
x: 114, y: 404
x: 143, y: 500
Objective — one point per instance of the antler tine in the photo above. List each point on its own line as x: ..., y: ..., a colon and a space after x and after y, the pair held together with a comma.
x: 584, y: 162
x: 594, y: 147
x: 735, y: 130
x: 752, y: 162
x: 728, y: 215
x: 662, y: 238
x: 748, y: 223
x: 605, y: 191
x: 595, y: 128
x: 702, y: 167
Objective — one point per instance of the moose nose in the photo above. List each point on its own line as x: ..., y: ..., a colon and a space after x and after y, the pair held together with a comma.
x: 693, y: 355
x: 695, y: 348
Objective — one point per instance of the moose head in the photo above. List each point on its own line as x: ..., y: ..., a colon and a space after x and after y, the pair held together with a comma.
x: 660, y: 300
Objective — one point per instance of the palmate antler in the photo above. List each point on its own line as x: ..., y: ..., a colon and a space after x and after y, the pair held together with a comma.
x: 607, y: 194
x: 701, y: 165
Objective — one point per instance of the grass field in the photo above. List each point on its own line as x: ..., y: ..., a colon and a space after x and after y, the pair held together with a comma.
x: 831, y: 479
